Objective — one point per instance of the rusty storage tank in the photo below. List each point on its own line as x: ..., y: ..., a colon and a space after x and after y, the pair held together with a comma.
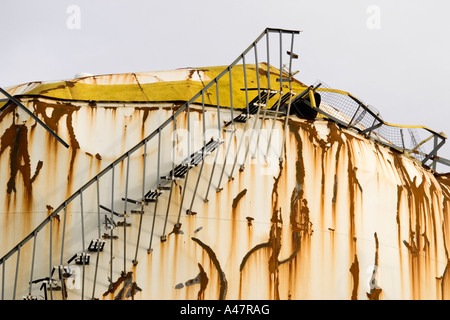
x: 229, y: 182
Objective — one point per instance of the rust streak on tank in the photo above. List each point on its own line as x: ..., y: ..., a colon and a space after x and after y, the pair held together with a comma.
x: 201, y: 278
x: 238, y: 198
x: 128, y: 289
x: 375, y: 291
x: 354, y: 270
x: 215, y: 261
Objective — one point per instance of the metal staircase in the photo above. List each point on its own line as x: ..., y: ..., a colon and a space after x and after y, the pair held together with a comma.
x: 87, y: 244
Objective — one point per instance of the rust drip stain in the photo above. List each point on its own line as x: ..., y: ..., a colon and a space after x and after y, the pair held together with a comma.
x: 16, y: 139
x: 399, y: 196
x: 238, y: 198
x: 146, y: 111
x: 59, y: 111
x: 375, y: 291
x: 444, y: 279
x: 335, y: 138
x: 128, y: 288
x: 203, y: 283
x: 353, y: 182
x: 201, y: 278
x: 275, y: 245
x: 213, y: 257
x: 299, y: 212
x: 253, y: 250
x: 354, y: 270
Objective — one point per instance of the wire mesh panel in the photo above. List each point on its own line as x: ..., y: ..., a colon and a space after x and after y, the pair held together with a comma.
x: 420, y: 142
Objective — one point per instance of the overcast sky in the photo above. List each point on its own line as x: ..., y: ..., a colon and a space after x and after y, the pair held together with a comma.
x: 391, y: 54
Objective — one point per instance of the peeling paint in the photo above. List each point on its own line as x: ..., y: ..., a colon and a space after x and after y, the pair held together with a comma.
x: 128, y: 288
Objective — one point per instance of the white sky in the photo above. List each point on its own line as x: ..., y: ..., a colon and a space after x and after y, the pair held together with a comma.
x: 401, y: 67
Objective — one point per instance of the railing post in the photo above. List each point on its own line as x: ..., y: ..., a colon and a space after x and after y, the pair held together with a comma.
x: 17, y: 273
x: 433, y: 166
x: 255, y: 123
x: 32, y: 263
x: 3, y: 279
x: 290, y: 100
x: 231, y: 137
x: 135, y: 262
x: 188, y: 166
x: 259, y: 108
x: 245, y: 124
x: 99, y: 237
x: 50, y: 260
x: 149, y: 250
x: 83, y: 253
x: 124, y: 272
x: 189, y: 211
x: 219, y: 135
x: 275, y: 116
x: 111, y: 232
x: 172, y: 179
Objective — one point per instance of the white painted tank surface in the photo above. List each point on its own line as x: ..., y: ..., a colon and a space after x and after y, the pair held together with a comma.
x: 340, y: 217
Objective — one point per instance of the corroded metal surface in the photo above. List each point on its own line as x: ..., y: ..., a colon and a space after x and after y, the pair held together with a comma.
x: 340, y: 217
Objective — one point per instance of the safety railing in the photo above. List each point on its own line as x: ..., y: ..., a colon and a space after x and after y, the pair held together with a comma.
x: 342, y: 107
x: 149, y: 174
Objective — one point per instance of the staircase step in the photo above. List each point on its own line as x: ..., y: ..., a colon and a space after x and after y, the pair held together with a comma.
x: 152, y: 195
x: 193, y: 160
x: 254, y: 105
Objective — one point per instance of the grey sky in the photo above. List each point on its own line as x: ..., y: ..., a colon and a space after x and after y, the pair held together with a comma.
x: 400, y: 66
